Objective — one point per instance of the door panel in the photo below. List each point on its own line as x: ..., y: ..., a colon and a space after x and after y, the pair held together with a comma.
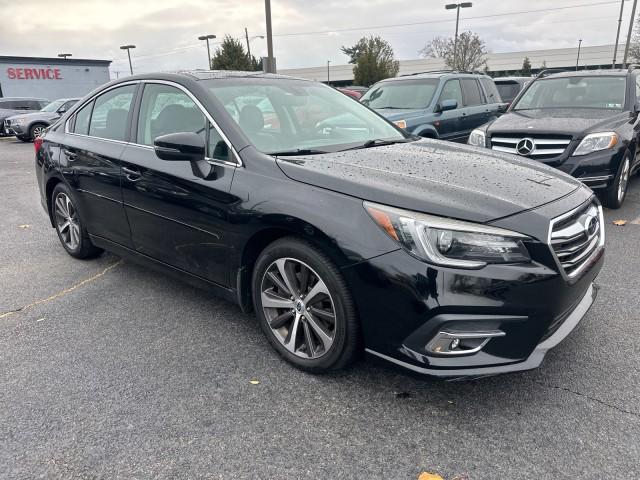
x: 448, y: 124
x: 175, y: 216
x: 474, y: 108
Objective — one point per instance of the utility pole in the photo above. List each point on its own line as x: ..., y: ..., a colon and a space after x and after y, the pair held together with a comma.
x: 578, y: 57
x: 267, y: 12
x: 328, y: 62
x: 128, y: 49
x: 631, y: 22
x: 246, y: 34
x: 615, y: 50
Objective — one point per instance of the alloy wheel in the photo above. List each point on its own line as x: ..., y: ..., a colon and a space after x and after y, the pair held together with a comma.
x: 298, y: 307
x: 624, y: 179
x: 67, y: 221
x: 38, y: 131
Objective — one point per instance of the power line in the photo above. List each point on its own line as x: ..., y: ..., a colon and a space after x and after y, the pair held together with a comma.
x: 371, y: 27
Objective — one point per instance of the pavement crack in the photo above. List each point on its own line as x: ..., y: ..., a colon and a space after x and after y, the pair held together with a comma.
x: 589, y: 397
x: 62, y: 292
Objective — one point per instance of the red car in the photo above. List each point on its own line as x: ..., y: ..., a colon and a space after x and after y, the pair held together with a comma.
x: 350, y: 93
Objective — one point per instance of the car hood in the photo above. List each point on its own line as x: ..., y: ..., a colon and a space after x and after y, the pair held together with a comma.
x: 35, y: 116
x: 436, y: 177
x: 394, y: 114
x: 575, y: 121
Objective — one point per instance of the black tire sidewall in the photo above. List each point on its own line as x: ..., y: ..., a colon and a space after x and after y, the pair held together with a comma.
x: 343, y: 348
x: 612, y: 193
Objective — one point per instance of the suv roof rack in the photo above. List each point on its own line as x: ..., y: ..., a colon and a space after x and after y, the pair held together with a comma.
x: 549, y: 71
x: 443, y: 71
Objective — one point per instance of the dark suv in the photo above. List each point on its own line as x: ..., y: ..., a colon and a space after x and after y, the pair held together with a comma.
x: 13, y: 105
x: 584, y: 123
x: 340, y: 230
x: 446, y: 105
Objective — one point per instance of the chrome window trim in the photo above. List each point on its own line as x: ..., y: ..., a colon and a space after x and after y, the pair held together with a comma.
x: 204, y: 111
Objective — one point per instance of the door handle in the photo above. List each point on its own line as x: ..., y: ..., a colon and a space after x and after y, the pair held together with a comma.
x: 71, y: 156
x: 132, y: 175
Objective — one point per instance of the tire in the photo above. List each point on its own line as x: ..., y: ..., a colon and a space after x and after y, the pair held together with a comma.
x: 71, y: 232
x: 319, y: 345
x: 36, y: 130
x: 614, y: 196
x: 23, y: 138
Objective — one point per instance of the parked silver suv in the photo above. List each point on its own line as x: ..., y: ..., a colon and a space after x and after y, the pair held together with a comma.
x: 28, y: 126
x: 13, y: 105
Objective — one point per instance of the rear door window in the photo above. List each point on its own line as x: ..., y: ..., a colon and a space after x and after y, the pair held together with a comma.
x: 451, y: 91
x: 471, y: 90
x: 110, y: 113
x: 491, y: 92
x: 83, y: 116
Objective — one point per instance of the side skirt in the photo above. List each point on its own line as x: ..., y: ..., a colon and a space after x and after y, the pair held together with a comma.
x: 228, y: 294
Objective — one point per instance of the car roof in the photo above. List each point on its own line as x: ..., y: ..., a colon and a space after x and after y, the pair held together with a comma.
x: 23, y: 98
x: 513, y: 79
x: 437, y: 75
x: 209, y: 75
x: 588, y: 73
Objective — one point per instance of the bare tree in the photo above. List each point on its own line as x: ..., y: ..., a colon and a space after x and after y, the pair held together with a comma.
x: 471, y: 51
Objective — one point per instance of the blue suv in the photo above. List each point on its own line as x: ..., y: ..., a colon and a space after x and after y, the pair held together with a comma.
x: 443, y: 104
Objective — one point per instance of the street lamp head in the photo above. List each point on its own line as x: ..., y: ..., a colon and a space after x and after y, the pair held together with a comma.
x: 64, y: 55
x: 205, y: 37
x: 451, y: 6
x: 127, y: 47
x: 466, y: 5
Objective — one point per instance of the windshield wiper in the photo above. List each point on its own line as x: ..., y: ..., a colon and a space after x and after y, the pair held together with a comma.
x: 379, y: 142
x: 297, y: 151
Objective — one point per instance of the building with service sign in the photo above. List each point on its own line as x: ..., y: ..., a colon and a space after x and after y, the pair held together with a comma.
x: 50, y: 78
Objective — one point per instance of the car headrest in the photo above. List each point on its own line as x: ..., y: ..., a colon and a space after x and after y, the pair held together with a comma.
x: 251, y: 119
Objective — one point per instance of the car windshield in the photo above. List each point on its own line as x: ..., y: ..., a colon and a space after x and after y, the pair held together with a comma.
x: 409, y: 94
x: 289, y: 116
x: 53, y: 106
x: 604, y: 92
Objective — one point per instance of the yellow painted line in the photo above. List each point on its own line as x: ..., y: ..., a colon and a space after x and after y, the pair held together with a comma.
x: 62, y: 292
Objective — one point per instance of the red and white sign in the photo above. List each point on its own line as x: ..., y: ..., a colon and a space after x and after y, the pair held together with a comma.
x: 34, y: 73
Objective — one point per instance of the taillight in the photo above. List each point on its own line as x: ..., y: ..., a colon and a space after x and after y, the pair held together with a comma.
x: 37, y: 144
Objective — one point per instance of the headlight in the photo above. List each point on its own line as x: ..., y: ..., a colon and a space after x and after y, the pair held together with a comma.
x: 477, y: 138
x: 401, y: 123
x: 595, y: 142
x: 17, y: 121
x: 450, y: 243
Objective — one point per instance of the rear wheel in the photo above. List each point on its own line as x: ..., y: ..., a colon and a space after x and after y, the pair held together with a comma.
x: 71, y: 232
x: 36, y: 130
x: 616, y: 193
x: 304, y: 307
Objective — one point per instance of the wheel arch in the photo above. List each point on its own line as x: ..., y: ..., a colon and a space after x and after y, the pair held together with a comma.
x: 50, y: 185
x: 427, y: 131
x: 259, y: 240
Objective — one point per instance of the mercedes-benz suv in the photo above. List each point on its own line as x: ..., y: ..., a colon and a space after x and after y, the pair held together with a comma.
x: 584, y: 123
x: 341, y: 231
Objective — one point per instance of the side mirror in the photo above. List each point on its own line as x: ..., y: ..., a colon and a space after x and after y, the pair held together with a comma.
x: 449, y: 104
x: 180, y: 147
x: 503, y: 107
x: 61, y: 110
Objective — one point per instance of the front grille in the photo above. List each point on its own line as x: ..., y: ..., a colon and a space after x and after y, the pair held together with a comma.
x: 533, y: 146
x: 576, y: 236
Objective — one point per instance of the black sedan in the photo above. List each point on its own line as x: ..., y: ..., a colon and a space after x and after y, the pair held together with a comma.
x: 341, y: 231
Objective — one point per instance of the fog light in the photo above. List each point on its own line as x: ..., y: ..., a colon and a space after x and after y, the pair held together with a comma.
x: 460, y: 343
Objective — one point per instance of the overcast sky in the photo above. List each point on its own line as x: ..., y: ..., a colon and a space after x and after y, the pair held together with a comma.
x: 306, y: 32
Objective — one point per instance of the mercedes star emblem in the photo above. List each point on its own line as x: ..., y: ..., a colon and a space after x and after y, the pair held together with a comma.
x: 525, y: 146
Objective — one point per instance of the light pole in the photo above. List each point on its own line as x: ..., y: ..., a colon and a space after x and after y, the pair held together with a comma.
x: 578, y: 57
x: 328, y: 62
x: 64, y: 55
x: 207, y: 38
x: 615, y: 50
x: 267, y: 13
x: 457, y: 6
x: 631, y: 22
x: 128, y: 49
x: 246, y: 34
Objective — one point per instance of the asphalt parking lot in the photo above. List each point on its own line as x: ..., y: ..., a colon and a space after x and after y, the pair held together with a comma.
x: 109, y: 370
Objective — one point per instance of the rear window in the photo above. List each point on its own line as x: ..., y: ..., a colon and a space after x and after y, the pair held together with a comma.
x: 401, y: 94
x: 508, y: 90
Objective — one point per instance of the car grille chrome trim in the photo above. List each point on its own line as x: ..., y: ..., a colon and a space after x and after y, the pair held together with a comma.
x: 543, y: 145
x: 576, y: 236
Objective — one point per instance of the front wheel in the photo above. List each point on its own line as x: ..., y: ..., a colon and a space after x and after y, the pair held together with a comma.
x: 71, y: 232
x: 616, y: 193
x: 304, y: 307
x: 36, y: 131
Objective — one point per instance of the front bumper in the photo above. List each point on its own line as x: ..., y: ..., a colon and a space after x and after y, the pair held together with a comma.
x: 533, y: 360
x: 13, y: 129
